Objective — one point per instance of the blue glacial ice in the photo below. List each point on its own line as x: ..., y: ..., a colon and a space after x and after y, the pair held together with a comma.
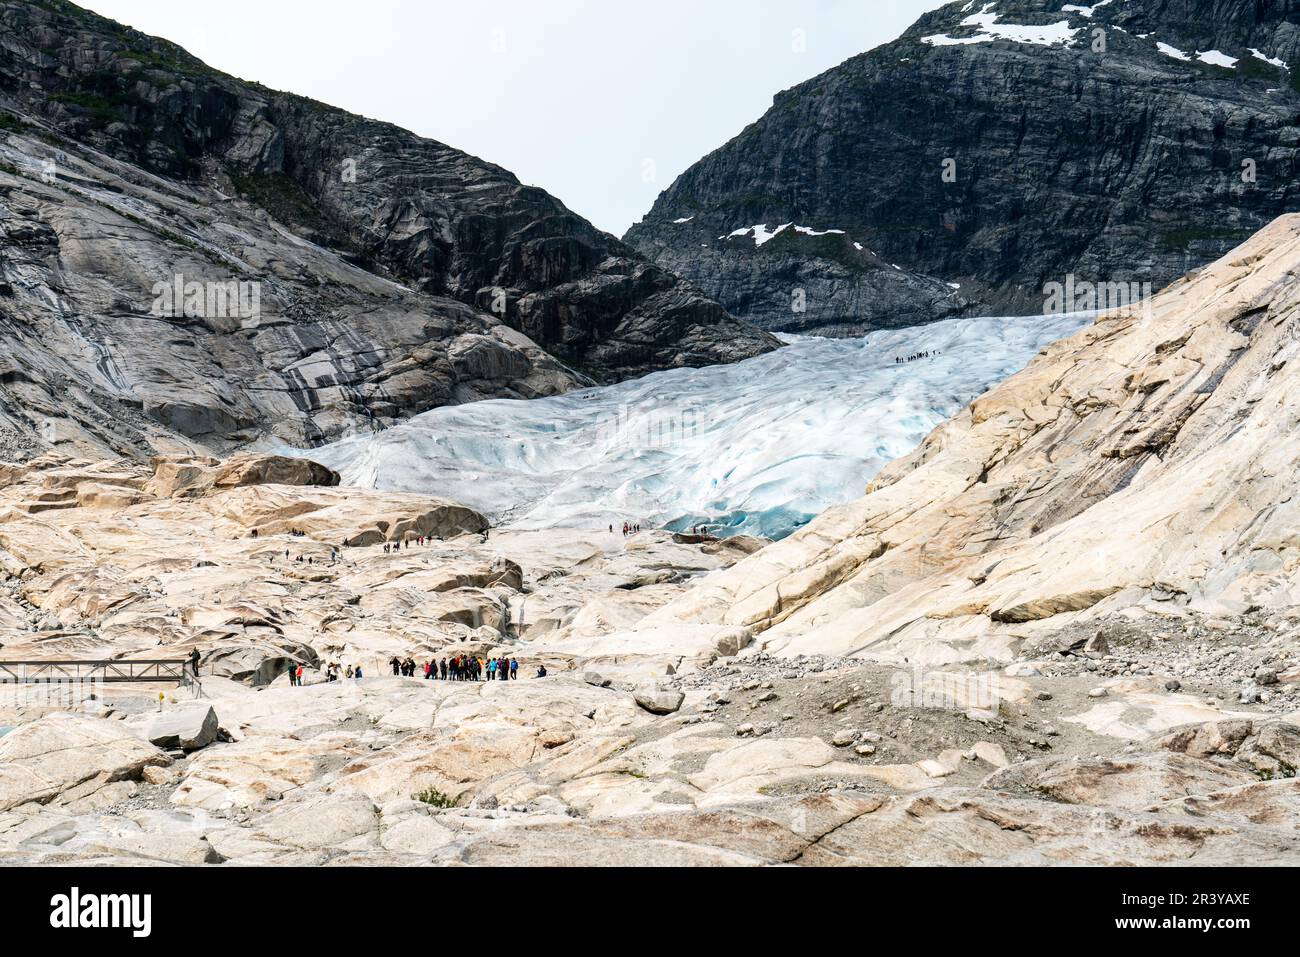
x: 759, y: 447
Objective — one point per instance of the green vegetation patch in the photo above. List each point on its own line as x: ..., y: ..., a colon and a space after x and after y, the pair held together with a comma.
x: 1253, y: 68
x: 106, y: 96
x: 102, y: 112
x: 434, y: 798
x: 279, y: 195
x: 1184, y: 238
x: 833, y: 246
x: 172, y: 61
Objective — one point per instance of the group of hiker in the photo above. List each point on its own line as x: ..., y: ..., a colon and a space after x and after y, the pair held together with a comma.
x: 629, y: 528
x: 333, y: 672
x: 456, y: 668
x: 310, y: 559
x: 335, y: 556
x: 459, y: 668
x: 393, y: 548
x: 390, y: 548
x: 919, y: 355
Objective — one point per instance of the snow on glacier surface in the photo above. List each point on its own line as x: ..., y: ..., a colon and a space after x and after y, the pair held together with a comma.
x: 758, y: 447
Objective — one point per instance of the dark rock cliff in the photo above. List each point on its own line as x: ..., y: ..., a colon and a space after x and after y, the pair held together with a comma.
x: 1116, y: 141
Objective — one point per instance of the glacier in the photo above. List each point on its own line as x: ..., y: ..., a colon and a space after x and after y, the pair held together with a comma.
x: 759, y: 447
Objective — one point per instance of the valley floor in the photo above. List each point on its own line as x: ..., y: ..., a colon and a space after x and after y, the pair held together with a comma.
x: 637, y: 747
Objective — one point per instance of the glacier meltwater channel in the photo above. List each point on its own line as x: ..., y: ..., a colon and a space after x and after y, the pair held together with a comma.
x: 759, y: 447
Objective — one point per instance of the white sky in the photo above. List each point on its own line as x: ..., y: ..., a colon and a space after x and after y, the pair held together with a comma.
x: 574, y: 96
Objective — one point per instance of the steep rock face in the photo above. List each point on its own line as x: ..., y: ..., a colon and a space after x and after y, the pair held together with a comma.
x: 1145, y: 466
x: 393, y: 274
x: 1105, y: 141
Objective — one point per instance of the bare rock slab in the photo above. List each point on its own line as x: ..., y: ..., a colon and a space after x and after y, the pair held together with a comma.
x: 50, y: 757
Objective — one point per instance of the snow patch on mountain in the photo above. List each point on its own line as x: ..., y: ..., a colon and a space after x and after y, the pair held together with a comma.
x: 1212, y: 57
x: 1085, y: 11
x: 1271, y: 60
x: 761, y: 234
x: 1051, y: 34
x: 1215, y: 58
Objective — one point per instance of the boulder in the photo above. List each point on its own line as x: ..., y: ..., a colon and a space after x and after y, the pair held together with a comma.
x: 242, y: 470
x: 990, y: 753
x: 1273, y: 751
x: 182, y: 477
x: 190, y: 728
x: 658, y: 700
x: 11, y: 474
x: 935, y: 768
x: 102, y: 495
x: 159, y: 776
x: 1210, y: 739
x: 196, y: 476
x: 1098, y: 644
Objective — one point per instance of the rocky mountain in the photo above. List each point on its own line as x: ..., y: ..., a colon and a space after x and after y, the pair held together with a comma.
x: 996, y: 147
x: 193, y: 260
x: 1064, y: 630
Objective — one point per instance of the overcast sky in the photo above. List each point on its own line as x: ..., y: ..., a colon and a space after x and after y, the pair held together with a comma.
x: 601, y: 102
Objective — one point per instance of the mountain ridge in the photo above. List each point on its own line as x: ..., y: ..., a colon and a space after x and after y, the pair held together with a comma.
x: 398, y: 273
x: 956, y: 171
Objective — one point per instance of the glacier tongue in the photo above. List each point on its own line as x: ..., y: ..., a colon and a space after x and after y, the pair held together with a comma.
x: 758, y: 447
